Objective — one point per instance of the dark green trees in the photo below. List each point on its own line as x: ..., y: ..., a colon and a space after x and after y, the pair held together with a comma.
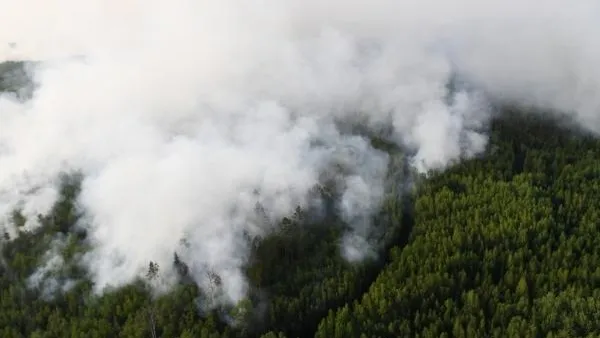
x: 505, y: 245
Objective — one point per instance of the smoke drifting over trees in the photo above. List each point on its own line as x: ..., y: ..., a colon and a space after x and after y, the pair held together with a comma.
x: 197, y: 124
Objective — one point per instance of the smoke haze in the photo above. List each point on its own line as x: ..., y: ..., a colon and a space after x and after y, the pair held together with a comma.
x: 183, y: 115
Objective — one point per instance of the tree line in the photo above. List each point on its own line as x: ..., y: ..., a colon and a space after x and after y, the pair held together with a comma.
x: 503, y: 245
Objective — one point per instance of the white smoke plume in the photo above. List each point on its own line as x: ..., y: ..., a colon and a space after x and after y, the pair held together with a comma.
x: 182, y: 115
x: 48, y: 277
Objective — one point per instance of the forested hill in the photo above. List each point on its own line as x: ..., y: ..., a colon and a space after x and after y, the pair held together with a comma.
x: 505, y: 245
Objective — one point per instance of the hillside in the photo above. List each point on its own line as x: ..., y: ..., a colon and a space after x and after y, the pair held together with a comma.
x: 504, y: 245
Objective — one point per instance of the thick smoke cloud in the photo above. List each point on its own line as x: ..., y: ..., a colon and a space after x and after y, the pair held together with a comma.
x: 184, y: 115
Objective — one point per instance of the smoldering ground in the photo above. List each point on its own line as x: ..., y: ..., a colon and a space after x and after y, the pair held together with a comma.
x: 183, y: 115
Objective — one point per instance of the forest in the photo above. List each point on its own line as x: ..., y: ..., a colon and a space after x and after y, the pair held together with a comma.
x: 502, y: 245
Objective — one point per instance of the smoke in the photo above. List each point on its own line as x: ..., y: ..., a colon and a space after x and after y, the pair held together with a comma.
x: 49, y: 279
x: 184, y: 115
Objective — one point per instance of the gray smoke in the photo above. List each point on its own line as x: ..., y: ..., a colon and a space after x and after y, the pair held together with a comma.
x: 49, y: 279
x: 183, y: 115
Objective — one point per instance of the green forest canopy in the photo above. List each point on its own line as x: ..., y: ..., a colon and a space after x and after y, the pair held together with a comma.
x: 504, y: 245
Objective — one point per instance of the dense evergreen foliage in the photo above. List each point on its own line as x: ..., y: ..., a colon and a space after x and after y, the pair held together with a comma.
x: 504, y: 245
